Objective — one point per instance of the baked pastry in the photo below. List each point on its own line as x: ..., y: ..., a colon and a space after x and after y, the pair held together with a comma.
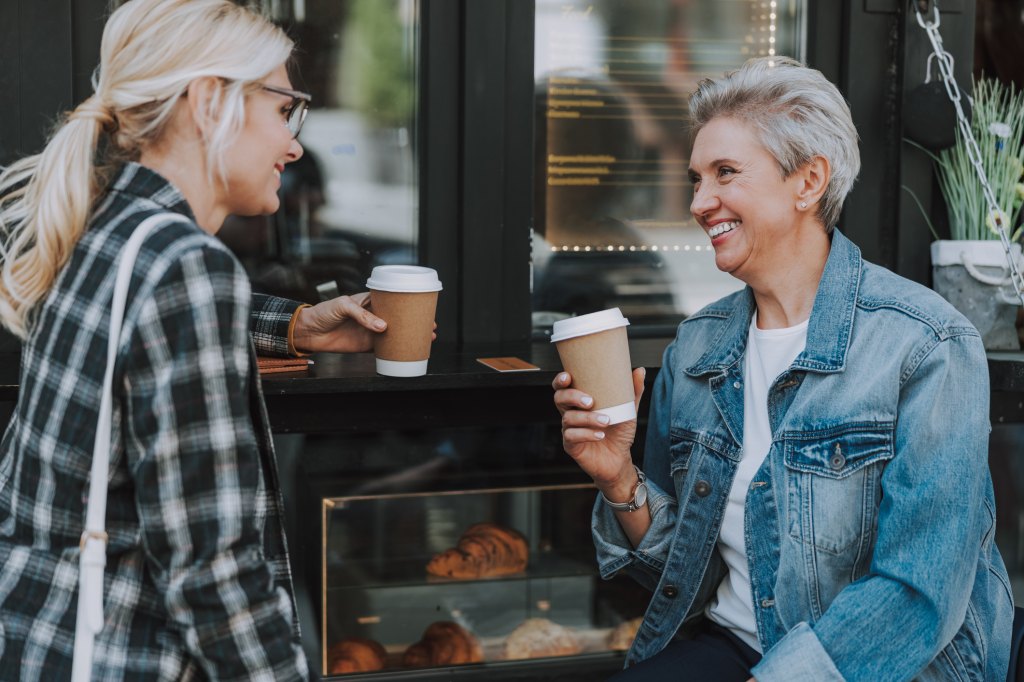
x: 355, y: 655
x: 621, y: 638
x: 443, y: 643
x: 484, y: 550
x: 540, y: 638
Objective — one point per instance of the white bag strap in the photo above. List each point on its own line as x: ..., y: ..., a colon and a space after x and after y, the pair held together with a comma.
x: 93, y: 555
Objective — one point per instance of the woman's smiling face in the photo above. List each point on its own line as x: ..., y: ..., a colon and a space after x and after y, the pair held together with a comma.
x: 261, y: 151
x: 741, y: 199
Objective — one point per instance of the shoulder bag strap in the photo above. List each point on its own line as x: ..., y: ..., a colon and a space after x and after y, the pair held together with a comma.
x: 93, y: 546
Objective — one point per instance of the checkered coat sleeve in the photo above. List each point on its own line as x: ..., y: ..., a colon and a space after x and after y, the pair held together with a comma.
x: 197, y: 582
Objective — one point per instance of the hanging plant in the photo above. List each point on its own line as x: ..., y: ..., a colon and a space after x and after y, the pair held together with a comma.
x: 998, y: 127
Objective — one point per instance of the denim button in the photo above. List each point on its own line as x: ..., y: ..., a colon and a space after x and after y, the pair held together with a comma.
x: 670, y: 591
x: 767, y: 603
x: 702, y: 488
x: 736, y: 384
x: 838, y: 460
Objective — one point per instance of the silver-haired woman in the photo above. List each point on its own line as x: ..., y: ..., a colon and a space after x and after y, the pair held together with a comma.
x: 818, y: 500
x: 193, y: 118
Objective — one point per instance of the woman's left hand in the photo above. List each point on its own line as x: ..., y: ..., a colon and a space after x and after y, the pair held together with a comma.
x: 340, y: 325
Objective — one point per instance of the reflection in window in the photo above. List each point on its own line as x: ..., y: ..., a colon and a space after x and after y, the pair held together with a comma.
x: 612, y: 225
x: 351, y: 201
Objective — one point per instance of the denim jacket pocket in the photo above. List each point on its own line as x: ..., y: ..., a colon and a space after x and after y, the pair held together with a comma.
x: 833, y: 483
x: 681, y: 446
x: 686, y: 446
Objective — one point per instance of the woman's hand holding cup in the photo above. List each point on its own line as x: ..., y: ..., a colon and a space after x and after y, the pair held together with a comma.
x: 600, y: 449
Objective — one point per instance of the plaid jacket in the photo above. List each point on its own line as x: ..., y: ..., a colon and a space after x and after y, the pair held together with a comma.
x: 197, y: 583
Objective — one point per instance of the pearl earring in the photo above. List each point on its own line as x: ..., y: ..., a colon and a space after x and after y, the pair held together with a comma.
x: 803, y: 204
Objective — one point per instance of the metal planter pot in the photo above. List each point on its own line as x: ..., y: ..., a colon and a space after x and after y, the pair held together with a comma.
x: 974, y: 277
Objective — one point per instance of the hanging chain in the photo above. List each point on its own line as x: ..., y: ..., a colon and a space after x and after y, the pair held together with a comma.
x: 997, y: 216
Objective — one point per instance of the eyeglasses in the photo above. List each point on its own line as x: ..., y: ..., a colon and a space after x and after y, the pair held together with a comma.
x: 296, y: 110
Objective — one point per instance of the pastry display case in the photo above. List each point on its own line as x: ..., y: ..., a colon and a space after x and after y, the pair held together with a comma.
x: 436, y: 539
x: 490, y: 576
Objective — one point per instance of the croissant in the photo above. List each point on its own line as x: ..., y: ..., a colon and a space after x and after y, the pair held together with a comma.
x: 443, y: 643
x: 621, y: 638
x: 355, y: 655
x: 540, y: 638
x: 484, y: 550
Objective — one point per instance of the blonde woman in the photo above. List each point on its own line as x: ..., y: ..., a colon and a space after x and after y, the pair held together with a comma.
x: 193, y: 118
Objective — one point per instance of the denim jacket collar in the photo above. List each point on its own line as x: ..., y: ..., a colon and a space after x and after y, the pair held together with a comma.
x: 829, y: 329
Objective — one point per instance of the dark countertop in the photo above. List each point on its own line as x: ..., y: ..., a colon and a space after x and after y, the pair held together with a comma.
x: 334, y: 373
x: 463, y: 390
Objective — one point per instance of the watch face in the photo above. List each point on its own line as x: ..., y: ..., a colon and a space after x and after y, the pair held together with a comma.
x: 641, y: 495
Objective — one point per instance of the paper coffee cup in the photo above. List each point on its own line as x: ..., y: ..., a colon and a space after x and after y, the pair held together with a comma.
x: 595, y: 350
x: 404, y: 296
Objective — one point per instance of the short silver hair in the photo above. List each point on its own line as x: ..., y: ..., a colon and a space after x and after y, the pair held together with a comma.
x: 795, y: 112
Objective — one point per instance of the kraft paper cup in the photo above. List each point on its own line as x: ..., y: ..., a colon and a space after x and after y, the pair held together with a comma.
x: 595, y: 351
x: 404, y: 296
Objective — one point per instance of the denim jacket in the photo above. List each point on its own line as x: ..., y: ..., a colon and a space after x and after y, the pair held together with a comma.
x: 870, y: 526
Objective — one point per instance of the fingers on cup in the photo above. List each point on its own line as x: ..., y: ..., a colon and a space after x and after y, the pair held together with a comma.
x: 561, y: 380
x: 639, y: 375
x: 574, y: 435
x: 572, y: 399
x: 585, y: 420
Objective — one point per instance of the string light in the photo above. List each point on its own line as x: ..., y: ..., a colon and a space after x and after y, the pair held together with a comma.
x: 622, y: 247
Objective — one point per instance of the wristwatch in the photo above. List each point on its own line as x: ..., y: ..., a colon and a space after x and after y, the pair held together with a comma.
x: 639, y: 498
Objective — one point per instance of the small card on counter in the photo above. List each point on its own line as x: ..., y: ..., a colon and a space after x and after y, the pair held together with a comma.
x: 508, y: 364
x: 277, y: 365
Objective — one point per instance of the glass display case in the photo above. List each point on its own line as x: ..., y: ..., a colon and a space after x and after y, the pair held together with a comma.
x: 450, y: 550
x: 461, y: 577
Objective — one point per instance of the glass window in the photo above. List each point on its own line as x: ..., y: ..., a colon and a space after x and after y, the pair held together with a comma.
x: 351, y: 202
x: 612, y: 225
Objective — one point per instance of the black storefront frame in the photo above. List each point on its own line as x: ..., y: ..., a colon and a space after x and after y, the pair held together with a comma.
x: 476, y: 134
x: 873, y: 50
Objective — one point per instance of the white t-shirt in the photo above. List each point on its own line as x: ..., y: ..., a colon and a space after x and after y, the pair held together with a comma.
x: 769, y: 353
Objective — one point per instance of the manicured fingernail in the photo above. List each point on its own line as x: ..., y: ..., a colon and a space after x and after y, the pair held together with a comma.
x: 599, y: 435
x: 587, y: 400
x: 379, y: 324
x: 563, y: 377
x: 643, y: 371
x: 603, y: 418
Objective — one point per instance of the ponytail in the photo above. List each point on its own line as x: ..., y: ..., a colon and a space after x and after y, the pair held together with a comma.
x: 45, y: 201
x: 151, y: 51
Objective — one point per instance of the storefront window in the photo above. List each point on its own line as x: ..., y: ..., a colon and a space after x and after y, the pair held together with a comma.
x: 611, y: 220
x: 351, y: 202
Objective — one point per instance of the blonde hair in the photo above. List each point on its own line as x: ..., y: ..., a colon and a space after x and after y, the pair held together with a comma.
x: 795, y: 112
x: 151, y: 51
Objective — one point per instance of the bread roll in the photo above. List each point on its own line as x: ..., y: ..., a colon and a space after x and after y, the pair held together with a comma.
x: 355, y: 655
x: 540, y: 638
x: 484, y: 550
x: 443, y: 643
x: 621, y: 638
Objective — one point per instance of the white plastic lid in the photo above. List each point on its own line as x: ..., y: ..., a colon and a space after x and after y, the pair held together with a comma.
x: 403, y: 278
x: 587, y: 324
